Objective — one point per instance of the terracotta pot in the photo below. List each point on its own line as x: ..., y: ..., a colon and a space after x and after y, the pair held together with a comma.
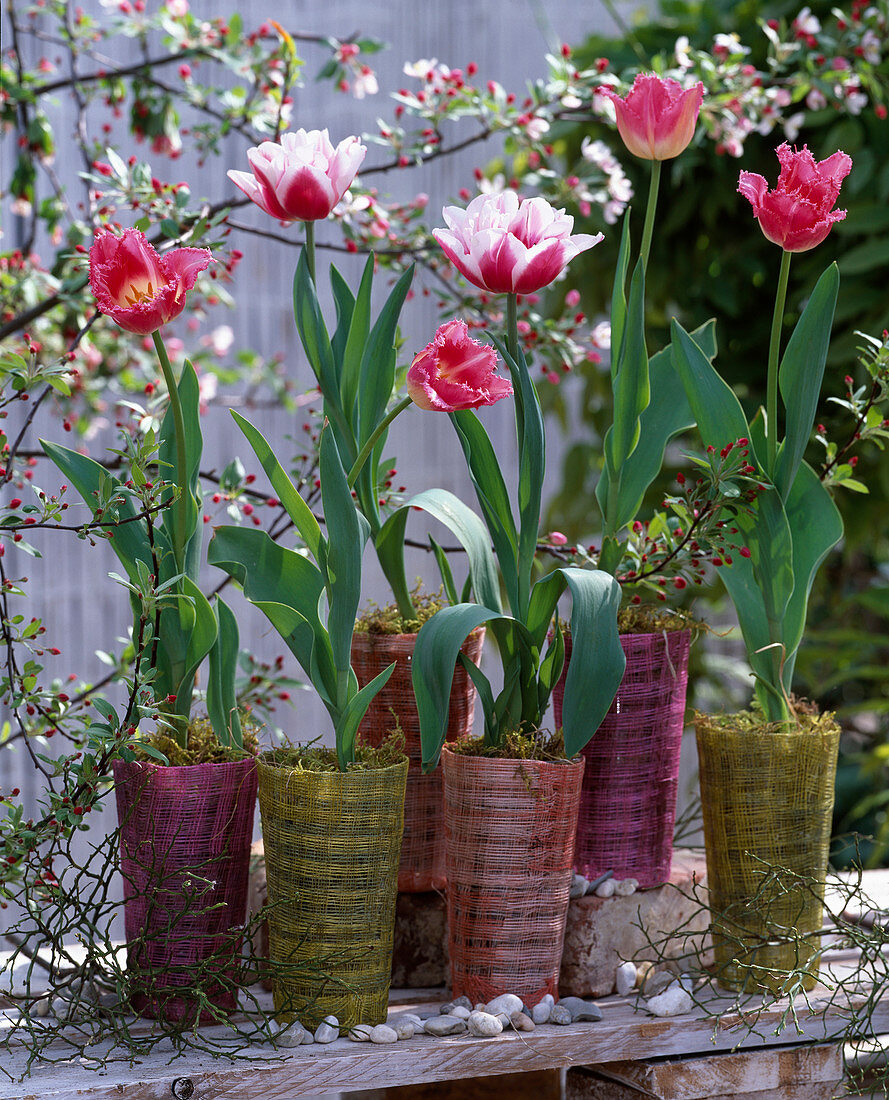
x: 422, y: 849
x: 628, y: 805
x: 509, y: 848
x: 185, y: 836
x: 332, y: 843
x: 767, y: 799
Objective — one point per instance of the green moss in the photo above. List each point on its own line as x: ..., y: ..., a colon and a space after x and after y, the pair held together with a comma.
x: 203, y: 746
x: 388, y: 619
x: 808, y: 720
x: 651, y: 619
x: 320, y: 758
x: 515, y: 746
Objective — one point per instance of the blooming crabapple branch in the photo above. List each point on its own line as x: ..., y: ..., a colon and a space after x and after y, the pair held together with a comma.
x: 876, y: 392
x: 83, y: 527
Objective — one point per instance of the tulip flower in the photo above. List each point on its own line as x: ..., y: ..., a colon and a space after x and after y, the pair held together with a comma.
x: 506, y: 246
x: 656, y: 120
x: 303, y: 178
x: 799, y: 213
x: 455, y: 372
x: 135, y: 286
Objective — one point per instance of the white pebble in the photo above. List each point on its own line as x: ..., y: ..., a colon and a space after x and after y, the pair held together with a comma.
x: 625, y: 978
x: 521, y: 1022
x: 42, y: 1007
x: 674, y: 1002
x: 626, y: 887
x: 460, y: 1012
x: 404, y: 1029
x: 506, y: 1002
x: 444, y: 1025
x: 540, y: 1012
x: 382, y: 1033
x: 360, y: 1033
x: 579, y: 886
x: 327, y: 1030
x: 606, y: 889
x: 484, y: 1025
x: 292, y: 1035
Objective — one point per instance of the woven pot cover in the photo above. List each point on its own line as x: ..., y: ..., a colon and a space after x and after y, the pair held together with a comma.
x: 509, y: 836
x: 422, y: 848
x: 768, y: 801
x: 628, y: 804
x: 332, y: 843
x: 185, y: 836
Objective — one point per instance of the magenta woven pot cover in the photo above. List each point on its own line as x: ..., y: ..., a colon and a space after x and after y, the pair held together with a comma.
x: 185, y: 835
x: 628, y: 804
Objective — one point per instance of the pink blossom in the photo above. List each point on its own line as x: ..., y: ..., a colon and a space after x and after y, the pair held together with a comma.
x: 455, y: 372
x: 556, y: 538
x: 506, y: 246
x: 303, y: 178
x: 656, y: 120
x: 799, y: 213
x: 135, y: 286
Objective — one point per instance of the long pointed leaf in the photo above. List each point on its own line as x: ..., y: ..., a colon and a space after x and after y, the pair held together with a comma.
x: 201, y: 636
x: 716, y: 410
x: 631, y: 385
x: 356, y: 347
x: 619, y: 293
x: 345, y: 304
x: 222, y: 665
x: 285, y: 490
x: 189, y: 398
x: 377, y: 373
x: 353, y: 712
x: 597, y: 657
x: 800, y: 375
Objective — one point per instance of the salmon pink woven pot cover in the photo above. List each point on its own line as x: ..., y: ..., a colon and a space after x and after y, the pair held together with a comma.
x: 185, y: 836
x: 509, y: 848
x: 628, y: 805
x: 422, y: 848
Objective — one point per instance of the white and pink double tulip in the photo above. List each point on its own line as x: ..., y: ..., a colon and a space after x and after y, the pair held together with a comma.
x: 303, y: 178
x: 507, y: 246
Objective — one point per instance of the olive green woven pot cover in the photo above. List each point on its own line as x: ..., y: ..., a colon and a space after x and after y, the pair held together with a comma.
x: 767, y: 800
x: 332, y: 847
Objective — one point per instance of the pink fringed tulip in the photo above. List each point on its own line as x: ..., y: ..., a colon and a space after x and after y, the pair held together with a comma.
x: 509, y: 247
x: 135, y: 286
x: 303, y: 178
x: 798, y: 214
x: 657, y: 119
x: 455, y: 372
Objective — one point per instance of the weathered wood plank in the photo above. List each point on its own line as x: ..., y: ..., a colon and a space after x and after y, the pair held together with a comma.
x: 622, y: 1035
x: 785, y: 1072
x: 533, y: 1085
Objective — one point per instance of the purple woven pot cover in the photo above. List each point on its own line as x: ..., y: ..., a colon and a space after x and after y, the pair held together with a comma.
x: 628, y: 803
x: 185, y: 835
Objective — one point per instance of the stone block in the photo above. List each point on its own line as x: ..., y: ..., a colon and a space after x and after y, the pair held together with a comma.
x: 600, y: 933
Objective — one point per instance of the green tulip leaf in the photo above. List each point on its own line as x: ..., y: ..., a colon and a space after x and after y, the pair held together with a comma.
x: 354, y: 710
x: 619, y: 293
x: 716, y: 410
x: 356, y: 343
x: 222, y: 667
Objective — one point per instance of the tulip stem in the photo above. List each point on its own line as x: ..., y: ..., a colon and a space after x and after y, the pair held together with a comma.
x: 774, y: 349
x: 512, y: 326
x: 181, y: 527
x: 365, y: 451
x: 648, y: 228
x: 310, y: 249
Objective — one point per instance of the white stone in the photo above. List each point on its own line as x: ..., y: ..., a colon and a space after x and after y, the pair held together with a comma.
x: 382, y: 1033
x: 625, y: 978
x: 606, y: 889
x: 291, y: 1035
x: 484, y: 1025
x: 42, y: 1007
x: 461, y: 1012
x: 404, y: 1029
x: 506, y: 1002
x: 360, y: 1033
x: 503, y: 1018
x: 521, y: 1022
x: 674, y: 1002
x: 444, y: 1025
x: 540, y: 1012
x: 308, y: 1038
x: 327, y: 1030
x: 407, y: 1018
x: 579, y: 886
x: 626, y: 887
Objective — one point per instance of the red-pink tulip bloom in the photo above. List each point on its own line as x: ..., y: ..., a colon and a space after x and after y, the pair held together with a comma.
x: 657, y: 119
x: 303, y: 178
x: 798, y: 214
x: 509, y: 247
x: 455, y: 372
x: 135, y: 286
